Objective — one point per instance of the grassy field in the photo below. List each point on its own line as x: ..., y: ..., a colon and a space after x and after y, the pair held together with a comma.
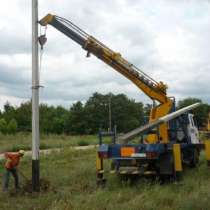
x: 72, y: 179
x: 23, y: 141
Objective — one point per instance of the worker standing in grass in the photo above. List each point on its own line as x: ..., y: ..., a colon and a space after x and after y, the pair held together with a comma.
x: 12, y: 161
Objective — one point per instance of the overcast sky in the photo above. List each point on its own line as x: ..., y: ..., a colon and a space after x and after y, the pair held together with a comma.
x: 167, y: 39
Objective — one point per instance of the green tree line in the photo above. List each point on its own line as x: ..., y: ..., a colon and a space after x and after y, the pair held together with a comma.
x: 88, y: 117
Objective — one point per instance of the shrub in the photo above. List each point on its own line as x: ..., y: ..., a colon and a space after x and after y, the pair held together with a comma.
x: 16, y: 148
x: 83, y: 143
x: 44, y: 146
x: 3, y: 126
x: 12, y: 126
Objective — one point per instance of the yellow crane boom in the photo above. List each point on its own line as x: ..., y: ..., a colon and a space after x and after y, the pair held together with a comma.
x: 157, y: 91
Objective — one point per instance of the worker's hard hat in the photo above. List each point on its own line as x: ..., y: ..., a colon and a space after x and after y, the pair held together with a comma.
x: 22, y: 152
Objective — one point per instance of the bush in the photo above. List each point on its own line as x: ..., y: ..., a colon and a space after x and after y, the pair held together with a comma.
x: 83, y: 143
x: 16, y: 148
x: 3, y: 126
x: 44, y: 146
x: 12, y: 126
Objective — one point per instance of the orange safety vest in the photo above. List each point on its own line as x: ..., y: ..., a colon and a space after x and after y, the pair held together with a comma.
x: 13, y: 159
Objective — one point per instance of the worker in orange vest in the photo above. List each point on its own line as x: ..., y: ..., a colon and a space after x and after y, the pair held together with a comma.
x: 12, y: 161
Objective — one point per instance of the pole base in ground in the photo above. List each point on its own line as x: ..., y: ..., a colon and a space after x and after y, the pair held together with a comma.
x: 35, y: 176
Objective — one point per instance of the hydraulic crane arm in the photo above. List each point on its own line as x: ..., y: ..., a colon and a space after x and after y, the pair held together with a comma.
x: 153, y: 89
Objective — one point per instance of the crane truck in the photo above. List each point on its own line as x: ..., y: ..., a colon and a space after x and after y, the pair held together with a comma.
x: 167, y: 145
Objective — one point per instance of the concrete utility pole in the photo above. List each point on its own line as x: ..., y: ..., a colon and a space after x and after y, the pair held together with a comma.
x: 35, y: 98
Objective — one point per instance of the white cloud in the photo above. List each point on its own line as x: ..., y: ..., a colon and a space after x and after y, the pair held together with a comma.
x: 168, y: 40
x: 11, y: 99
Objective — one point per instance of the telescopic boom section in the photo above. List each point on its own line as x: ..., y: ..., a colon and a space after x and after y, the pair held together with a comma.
x: 154, y: 90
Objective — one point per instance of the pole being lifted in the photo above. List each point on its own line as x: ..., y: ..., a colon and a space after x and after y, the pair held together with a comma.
x: 35, y: 99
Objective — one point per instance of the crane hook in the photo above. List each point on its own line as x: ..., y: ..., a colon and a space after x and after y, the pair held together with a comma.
x: 42, y: 40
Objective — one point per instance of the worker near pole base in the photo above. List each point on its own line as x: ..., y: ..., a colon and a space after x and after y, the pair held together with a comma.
x: 12, y: 161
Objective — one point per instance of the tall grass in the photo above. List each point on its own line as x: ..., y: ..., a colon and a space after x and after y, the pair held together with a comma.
x: 23, y: 141
x: 73, y: 181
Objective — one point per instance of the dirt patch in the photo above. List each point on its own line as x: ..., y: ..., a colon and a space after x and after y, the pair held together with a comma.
x: 26, y: 188
x: 44, y: 186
